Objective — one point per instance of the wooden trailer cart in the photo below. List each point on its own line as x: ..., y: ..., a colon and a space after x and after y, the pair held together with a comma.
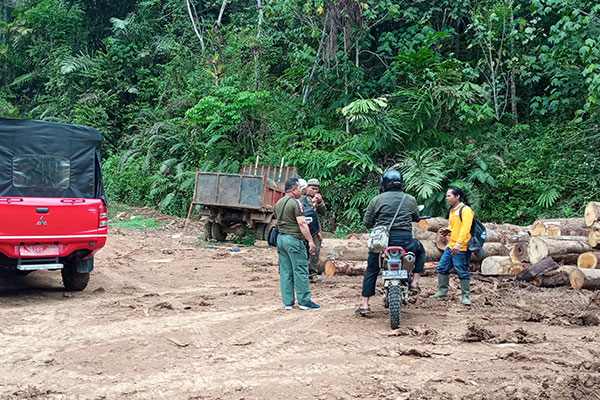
x: 234, y: 203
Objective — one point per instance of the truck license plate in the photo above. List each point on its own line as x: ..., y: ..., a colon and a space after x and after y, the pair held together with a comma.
x: 395, y: 274
x: 39, y: 250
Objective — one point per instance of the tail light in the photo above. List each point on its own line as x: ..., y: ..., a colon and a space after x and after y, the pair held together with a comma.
x: 394, y: 266
x: 102, y: 216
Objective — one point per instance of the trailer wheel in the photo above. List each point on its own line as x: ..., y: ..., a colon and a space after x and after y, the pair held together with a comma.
x: 74, y: 281
x: 208, y: 230
x: 260, y: 232
x: 217, y: 232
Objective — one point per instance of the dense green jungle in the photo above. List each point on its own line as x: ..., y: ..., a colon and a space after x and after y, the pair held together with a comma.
x: 499, y: 97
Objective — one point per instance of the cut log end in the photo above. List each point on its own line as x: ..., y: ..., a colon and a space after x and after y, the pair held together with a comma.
x: 577, y: 278
x: 588, y: 260
x: 592, y: 213
x: 594, y: 235
x: 520, y: 252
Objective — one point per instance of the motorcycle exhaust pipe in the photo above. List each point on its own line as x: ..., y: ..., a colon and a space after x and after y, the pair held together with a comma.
x: 408, y: 261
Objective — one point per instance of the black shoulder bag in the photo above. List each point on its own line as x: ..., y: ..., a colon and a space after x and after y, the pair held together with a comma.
x: 274, y: 232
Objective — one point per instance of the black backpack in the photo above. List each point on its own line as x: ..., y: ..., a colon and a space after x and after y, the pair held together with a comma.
x: 478, y: 233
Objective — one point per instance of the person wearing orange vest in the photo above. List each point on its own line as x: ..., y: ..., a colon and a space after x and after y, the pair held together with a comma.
x: 456, y: 255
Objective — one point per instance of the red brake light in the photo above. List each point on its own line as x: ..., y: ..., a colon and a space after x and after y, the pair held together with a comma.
x: 394, y: 266
x: 102, y: 216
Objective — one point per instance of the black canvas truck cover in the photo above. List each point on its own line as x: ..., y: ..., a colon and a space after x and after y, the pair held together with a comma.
x: 49, y: 159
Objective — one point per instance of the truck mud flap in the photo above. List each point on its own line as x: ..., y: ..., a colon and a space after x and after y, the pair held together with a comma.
x: 84, y: 266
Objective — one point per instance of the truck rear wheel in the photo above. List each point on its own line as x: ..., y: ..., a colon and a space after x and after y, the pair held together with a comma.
x: 217, y: 232
x: 208, y: 230
x: 74, y: 281
x: 260, y: 231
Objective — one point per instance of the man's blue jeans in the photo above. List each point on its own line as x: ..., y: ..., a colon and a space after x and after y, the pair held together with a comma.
x: 460, y: 262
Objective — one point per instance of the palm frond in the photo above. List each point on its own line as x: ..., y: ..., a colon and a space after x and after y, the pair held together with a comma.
x: 423, y: 172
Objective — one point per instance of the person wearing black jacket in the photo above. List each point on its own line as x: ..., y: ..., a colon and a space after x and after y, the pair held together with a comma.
x: 312, y: 217
x: 380, y: 212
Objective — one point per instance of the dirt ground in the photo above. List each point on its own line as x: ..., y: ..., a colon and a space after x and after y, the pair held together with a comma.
x: 172, y: 317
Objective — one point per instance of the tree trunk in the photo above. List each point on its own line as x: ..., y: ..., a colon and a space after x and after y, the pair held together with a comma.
x: 594, y: 235
x: 590, y: 259
x: 422, y: 234
x: 585, y: 278
x: 198, y: 34
x: 592, y: 213
x: 545, y: 265
x: 556, y: 278
x: 541, y: 247
x: 259, y: 7
x: 515, y: 237
x: 520, y: 251
x: 558, y: 227
x: 342, y: 249
x: 350, y: 268
x: 441, y: 241
x: 493, y: 236
x: 566, y: 259
x: 500, y: 265
x: 492, y: 249
x: 433, y: 224
x: 432, y: 253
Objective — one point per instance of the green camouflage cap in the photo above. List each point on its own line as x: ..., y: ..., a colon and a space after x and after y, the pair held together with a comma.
x: 314, y: 182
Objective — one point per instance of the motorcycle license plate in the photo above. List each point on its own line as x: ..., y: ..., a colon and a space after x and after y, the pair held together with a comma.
x: 39, y: 250
x: 395, y: 274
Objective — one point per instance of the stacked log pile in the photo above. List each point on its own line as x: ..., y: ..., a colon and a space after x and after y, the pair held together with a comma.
x: 549, y: 253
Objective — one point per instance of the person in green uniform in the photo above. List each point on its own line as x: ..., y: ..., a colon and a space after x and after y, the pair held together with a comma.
x: 291, y: 249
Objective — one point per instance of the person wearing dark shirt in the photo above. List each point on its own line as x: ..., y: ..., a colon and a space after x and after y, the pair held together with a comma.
x: 291, y: 250
x: 380, y: 212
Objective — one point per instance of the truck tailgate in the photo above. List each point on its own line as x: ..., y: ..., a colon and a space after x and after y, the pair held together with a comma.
x: 35, y: 219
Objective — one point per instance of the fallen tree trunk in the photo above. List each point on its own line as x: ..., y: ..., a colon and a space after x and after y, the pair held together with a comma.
x: 433, y: 224
x: 492, y: 249
x: 500, y: 265
x: 589, y: 259
x: 342, y: 249
x: 594, y: 235
x: 512, y: 238
x: 508, y: 233
x: 432, y: 253
x: 558, y: 227
x: 566, y: 259
x: 493, y: 236
x: 356, y: 250
x: 541, y: 267
x: 350, y: 268
x: 585, y: 278
x: 541, y: 246
x: 592, y: 213
x: 441, y: 241
x: 422, y: 234
x: 555, y: 278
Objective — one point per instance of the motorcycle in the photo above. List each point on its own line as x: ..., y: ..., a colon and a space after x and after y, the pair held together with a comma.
x: 397, y: 266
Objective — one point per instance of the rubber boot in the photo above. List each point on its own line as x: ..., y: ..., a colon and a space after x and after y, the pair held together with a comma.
x: 465, y: 290
x: 443, y: 282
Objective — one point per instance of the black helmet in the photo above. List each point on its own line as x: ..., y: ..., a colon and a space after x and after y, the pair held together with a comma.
x: 391, y: 180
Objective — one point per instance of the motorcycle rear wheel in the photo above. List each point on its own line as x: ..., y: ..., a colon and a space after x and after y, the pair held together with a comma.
x: 395, y: 306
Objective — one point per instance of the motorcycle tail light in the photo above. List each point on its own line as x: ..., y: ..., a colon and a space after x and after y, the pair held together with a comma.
x: 394, y: 266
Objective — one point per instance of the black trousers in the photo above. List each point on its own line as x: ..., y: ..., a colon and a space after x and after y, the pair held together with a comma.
x: 399, y: 238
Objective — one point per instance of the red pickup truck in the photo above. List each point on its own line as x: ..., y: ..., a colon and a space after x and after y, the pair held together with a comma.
x: 52, y: 202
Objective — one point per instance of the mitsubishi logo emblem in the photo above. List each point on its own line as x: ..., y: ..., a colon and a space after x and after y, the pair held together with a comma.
x: 42, y: 221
